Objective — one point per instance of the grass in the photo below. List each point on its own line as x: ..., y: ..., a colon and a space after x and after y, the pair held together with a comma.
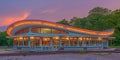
x: 82, y: 51
x: 114, y: 46
x: 5, y: 48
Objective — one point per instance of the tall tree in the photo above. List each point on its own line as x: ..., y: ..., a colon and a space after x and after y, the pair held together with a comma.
x: 63, y: 21
x: 100, y: 10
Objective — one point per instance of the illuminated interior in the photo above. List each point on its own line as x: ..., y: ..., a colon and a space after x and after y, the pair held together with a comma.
x: 43, y: 35
x: 12, y: 26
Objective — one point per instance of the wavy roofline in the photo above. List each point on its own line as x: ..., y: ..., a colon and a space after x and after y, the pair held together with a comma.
x: 53, y: 24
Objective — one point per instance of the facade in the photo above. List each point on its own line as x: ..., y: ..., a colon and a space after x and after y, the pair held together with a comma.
x: 39, y: 35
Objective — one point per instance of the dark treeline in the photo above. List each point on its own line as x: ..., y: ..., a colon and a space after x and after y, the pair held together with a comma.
x: 98, y: 18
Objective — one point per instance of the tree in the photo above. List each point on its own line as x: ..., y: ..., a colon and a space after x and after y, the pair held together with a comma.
x: 63, y: 21
x: 100, y: 10
x: 5, y: 41
x: 76, y: 22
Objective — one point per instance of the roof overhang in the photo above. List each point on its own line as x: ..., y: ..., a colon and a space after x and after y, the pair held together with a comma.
x: 25, y: 23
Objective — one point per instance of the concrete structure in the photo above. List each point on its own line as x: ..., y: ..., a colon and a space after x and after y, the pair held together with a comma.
x: 39, y: 35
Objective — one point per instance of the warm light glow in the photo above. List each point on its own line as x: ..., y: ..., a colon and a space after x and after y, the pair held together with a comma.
x: 86, y: 38
x: 80, y: 38
x: 71, y: 38
x: 31, y: 37
x: 56, y: 37
x: 67, y: 38
x: 20, y: 38
x: 99, y: 38
x: 46, y: 39
x: 25, y: 38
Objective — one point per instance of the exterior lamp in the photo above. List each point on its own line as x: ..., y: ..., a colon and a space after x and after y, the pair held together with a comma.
x: 67, y: 38
x: 20, y: 38
x: 80, y: 38
x: 32, y: 37
x: 87, y: 38
x: 99, y: 38
x: 45, y: 39
x: 56, y: 37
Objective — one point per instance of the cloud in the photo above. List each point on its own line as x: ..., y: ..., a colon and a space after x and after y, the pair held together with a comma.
x: 15, y: 17
x: 48, y: 11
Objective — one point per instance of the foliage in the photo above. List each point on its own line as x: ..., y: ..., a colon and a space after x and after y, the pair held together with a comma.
x: 100, y: 19
x: 82, y: 51
x: 63, y: 21
x: 5, y: 41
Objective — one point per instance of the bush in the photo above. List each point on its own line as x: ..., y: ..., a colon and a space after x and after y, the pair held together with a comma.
x: 82, y: 51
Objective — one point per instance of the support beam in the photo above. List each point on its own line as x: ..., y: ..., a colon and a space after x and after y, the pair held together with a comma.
x: 60, y: 41
x: 18, y: 43
x: 69, y: 42
x: 29, y: 42
x: 78, y: 44
x: 83, y: 42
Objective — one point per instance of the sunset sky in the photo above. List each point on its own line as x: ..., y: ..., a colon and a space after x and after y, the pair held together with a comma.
x: 50, y: 10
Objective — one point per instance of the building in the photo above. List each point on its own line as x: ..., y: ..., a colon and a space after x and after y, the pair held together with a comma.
x: 39, y: 35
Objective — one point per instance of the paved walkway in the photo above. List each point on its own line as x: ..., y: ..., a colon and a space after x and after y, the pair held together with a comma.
x: 69, y: 56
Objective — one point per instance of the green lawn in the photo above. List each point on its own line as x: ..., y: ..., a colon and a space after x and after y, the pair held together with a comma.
x: 114, y: 46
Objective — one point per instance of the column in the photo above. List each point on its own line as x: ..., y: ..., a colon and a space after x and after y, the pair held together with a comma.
x: 60, y: 41
x: 78, y: 42
x: 83, y: 42
x: 29, y: 42
x: 107, y: 43
x: 23, y: 42
x: 102, y: 43
x: 41, y: 43
x: 89, y: 42
x: 69, y: 41
x: 18, y: 42
x: 51, y: 44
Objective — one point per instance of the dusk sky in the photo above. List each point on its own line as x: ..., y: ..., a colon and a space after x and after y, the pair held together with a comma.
x: 50, y: 10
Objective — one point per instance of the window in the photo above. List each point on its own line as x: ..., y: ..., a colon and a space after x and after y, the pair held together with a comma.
x: 43, y: 30
x: 26, y: 30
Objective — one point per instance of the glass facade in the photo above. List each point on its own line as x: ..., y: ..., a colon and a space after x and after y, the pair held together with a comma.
x: 43, y: 30
x: 57, y: 42
x: 25, y: 30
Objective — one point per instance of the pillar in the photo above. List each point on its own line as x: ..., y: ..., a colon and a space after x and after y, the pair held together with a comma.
x: 41, y: 43
x: 89, y: 42
x: 18, y: 43
x: 23, y: 43
x: 83, y: 43
x: 29, y: 42
x: 51, y: 44
x: 60, y: 41
x: 102, y: 43
x: 69, y: 42
x: 78, y: 42
x: 107, y: 43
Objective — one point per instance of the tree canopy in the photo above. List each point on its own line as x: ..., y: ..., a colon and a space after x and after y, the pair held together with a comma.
x: 99, y: 19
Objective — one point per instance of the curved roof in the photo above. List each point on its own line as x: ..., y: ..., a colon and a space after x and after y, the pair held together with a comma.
x: 52, y: 24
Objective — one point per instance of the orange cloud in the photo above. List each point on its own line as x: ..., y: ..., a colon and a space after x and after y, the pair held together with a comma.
x: 10, y: 19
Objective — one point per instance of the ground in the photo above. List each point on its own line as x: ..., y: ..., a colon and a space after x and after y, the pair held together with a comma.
x: 68, y: 56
